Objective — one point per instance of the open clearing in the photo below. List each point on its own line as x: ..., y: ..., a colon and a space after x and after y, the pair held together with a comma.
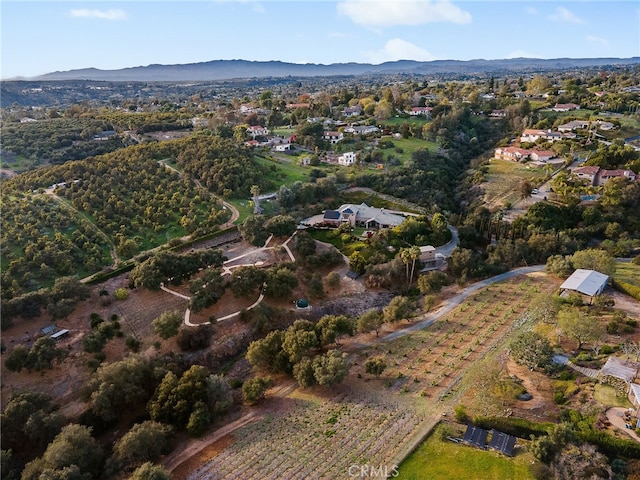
x: 503, y: 180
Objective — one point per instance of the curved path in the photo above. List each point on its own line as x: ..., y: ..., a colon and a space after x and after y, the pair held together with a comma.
x: 227, y: 271
x: 183, y: 456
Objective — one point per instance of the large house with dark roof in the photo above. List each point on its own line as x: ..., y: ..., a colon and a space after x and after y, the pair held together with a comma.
x: 362, y: 216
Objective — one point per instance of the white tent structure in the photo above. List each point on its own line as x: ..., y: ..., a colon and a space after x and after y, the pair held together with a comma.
x: 587, y: 282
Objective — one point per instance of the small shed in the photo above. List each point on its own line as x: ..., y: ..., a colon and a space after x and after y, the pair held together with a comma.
x: 586, y: 282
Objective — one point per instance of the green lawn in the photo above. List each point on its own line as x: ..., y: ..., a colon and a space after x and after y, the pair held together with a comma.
x: 284, y: 173
x: 503, y: 180
x: 606, y: 395
x: 628, y: 272
x: 410, y: 145
x: 437, y: 459
x: 397, y: 121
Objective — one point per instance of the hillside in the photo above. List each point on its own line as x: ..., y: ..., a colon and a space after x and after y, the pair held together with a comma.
x: 228, y: 69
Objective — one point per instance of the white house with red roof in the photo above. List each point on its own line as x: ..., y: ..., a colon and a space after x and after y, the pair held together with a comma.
x: 542, y: 155
x: 597, y: 176
x: 515, y: 154
x: 257, y: 131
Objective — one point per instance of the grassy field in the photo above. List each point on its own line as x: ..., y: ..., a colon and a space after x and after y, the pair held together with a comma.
x: 284, y: 173
x: 439, y: 459
x: 503, y: 179
x: 628, y: 272
x: 606, y: 395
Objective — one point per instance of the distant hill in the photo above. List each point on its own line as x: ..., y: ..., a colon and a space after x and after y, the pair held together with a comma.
x: 232, y: 69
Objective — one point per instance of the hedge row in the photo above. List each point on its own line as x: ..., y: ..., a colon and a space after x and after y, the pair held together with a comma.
x: 611, y: 446
x: 518, y: 427
x: 626, y: 288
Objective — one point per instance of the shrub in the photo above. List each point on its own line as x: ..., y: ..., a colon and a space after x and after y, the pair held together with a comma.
x: 607, y: 350
x: 460, y: 414
x: 121, y: 294
x: 518, y: 427
x: 626, y: 288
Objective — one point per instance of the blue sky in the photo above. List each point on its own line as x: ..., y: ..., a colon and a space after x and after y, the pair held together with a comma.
x: 39, y: 37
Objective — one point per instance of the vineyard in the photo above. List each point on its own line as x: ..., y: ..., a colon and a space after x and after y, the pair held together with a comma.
x: 378, y: 421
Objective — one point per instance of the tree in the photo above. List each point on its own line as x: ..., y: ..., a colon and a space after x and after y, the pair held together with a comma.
x: 575, y: 324
x: 119, y: 386
x: 559, y: 265
x: 304, y: 374
x: 149, y: 471
x: 331, y: 368
x: 30, y: 421
x: 144, y: 442
x: 43, y: 353
x: 299, y: 339
x: 370, y: 320
x: 246, y: 280
x: 280, y: 283
x: 253, y: 390
x: 74, y: 447
x: 531, y: 350
x: 331, y: 327
x: 375, y: 366
x: 526, y: 189
x: 594, y: 259
x: 281, y: 225
x: 432, y: 282
x: 267, y: 353
x: 253, y: 231
x: 167, y: 324
x: 181, y: 401
x: 398, y: 308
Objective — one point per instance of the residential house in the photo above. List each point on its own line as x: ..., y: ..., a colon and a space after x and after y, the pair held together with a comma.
x: 305, y: 161
x: 257, y: 131
x: 354, y: 111
x: 293, y: 106
x: 283, y: 147
x: 347, y: 159
x: 498, y: 113
x: 514, y: 154
x: 541, y: 155
x: 573, y: 125
x: 333, y: 137
x: 565, y: 107
x: 605, y: 175
x: 589, y: 173
x: 597, y: 176
x: 602, y: 125
x: 362, y: 129
x: 488, y: 96
x: 533, y: 135
x: 246, y: 108
x: 362, y: 216
x: 517, y: 154
x: 416, y: 111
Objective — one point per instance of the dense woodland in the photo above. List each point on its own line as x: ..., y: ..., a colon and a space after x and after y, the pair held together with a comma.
x: 108, y: 202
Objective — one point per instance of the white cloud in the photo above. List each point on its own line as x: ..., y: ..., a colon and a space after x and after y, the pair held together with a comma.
x: 531, y: 11
x: 398, y: 49
x: 388, y: 13
x: 113, y: 14
x: 602, y: 42
x: 564, y: 15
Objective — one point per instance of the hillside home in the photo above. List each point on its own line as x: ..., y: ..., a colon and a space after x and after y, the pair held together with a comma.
x: 565, y: 107
x: 257, y: 131
x: 498, y: 113
x: 573, y: 125
x: 416, y: 111
x: 541, y: 155
x: 362, y: 216
x: 362, y: 130
x: 283, y: 147
x: 333, y: 137
x: 597, y: 176
x: 354, y: 111
x: 533, y: 135
x: 514, y: 154
x: 293, y: 106
x: 347, y: 159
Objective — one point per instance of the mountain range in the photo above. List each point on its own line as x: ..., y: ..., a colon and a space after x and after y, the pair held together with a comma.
x: 233, y: 69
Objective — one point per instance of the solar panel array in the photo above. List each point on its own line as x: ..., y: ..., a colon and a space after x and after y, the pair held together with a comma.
x: 501, y: 442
